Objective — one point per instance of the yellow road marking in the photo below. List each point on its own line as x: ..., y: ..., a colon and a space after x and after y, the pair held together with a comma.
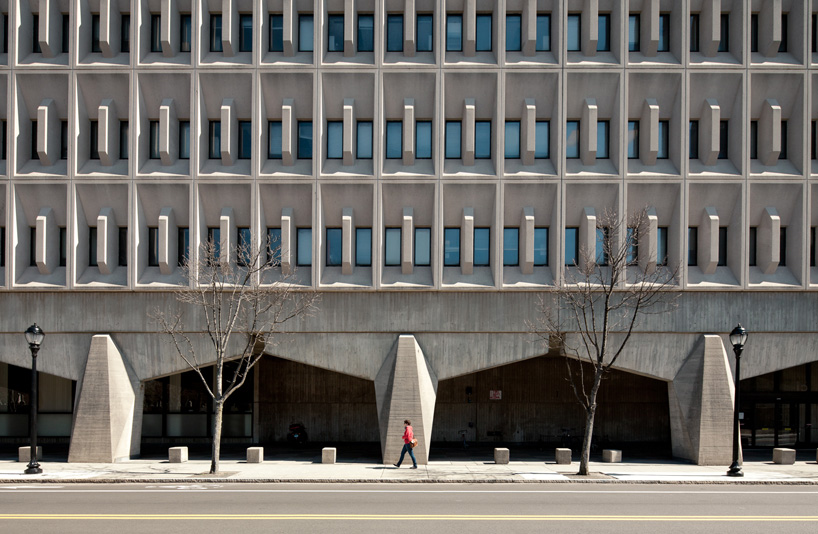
x: 404, y: 517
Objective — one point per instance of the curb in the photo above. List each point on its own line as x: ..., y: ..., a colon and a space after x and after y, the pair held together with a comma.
x: 194, y: 478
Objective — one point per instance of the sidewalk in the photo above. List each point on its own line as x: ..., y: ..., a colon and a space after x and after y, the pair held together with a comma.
x: 303, y: 468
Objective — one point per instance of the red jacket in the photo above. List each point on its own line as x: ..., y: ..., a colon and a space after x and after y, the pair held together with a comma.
x: 408, y: 434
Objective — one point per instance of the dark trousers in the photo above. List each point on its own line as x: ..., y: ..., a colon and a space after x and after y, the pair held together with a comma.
x: 407, y: 447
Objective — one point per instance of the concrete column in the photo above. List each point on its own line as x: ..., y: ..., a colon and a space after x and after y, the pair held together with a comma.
x: 175, y: 393
x: 47, y: 246
x: 168, y: 132
x: 230, y: 132
x: 527, y: 241
x: 109, y: 28
x: 587, y: 238
x: 347, y: 241
x: 708, y: 241
x: 409, y: 28
x: 228, y: 237
x: 469, y: 28
x: 107, y: 241
x: 649, y: 28
x: 701, y: 405
x: 768, y: 241
x: 408, y: 131
x: 649, y: 132
x: 709, y: 132
x: 286, y: 247
x: 529, y: 28
x: 590, y: 27
x: 405, y: 388
x: 467, y: 242
x: 289, y: 17
x: 350, y: 30
x: 769, y: 28
x: 587, y: 131
x: 288, y: 132
x: 647, y: 242
x: 769, y: 132
x: 50, y: 28
x: 349, y: 132
x: 407, y: 241
x: 169, y: 27
x: 108, y: 416
x: 467, y: 131
x: 108, y: 132
x: 48, y: 132
x: 230, y: 28
x: 168, y: 241
x: 528, y: 131
x: 710, y: 27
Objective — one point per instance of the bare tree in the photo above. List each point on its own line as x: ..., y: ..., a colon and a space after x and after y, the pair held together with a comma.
x: 591, y: 316
x: 238, y: 300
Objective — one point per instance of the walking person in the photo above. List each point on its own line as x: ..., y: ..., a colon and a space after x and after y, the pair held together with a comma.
x: 408, y: 436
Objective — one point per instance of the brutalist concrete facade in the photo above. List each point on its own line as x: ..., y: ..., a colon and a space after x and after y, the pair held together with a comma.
x: 513, y: 114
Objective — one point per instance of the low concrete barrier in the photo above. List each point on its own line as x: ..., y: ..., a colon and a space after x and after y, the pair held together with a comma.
x: 24, y: 453
x: 501, y: 456
x: 783, y: 456
x: 255, y: 455
x: 613, y: 456
x: 177, y: 455
x: 328, y: 455
x: 563, y: 456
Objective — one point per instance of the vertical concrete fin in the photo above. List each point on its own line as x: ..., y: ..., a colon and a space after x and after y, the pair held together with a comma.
x: 769, y: 132
x: 168, y: 242
x: 768, y: 241
x: 349, y: 132
x: 288, y: 132
x: 649, y: 132
x: 108, y: 409
x: 347, y: 241
x: 408, y: 131
x: 405, y: 388
x: 528, y: 132
x: 467, y: 241
x: 467, y: 130
x: 710, y: 132
x: 708, y: 238
x: 168, y: 132
x: 407, y: 241
x: 527, y: 241
x: 590, y: 28
x: 647, y: 242
x: 587, y: 131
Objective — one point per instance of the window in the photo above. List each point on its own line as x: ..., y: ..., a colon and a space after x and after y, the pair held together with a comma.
x: 244, y: 254
x: 94, y: 140
x: 452, y: 139
x: 425, y: 33
x: 423, y: 139
x: 722, y: 246
x: 363, y: 247
x: 753, y: 139
x: 123, y: 139
x: 184, y: 32
x: 394, y: 139
x: 95, y: 47
x: 482, y: 139
x: 245, y: 33
x: 335, y: 139
x: 276, y: 33
x: 156, y: 33
x: 392, y: 246
x: 664, y: 33
x: 481, y: 247
x: 694, y: 139
x: 5, y: 51
x: 2, y: 246
x: 571, y: 246
x: 123, y: 246
x: 214, y: 241
x: 215, y: 140
x: 483, y: 43
x: 783, y: 153
x: 245, y: 139
x: 34, y: 154
x: 63, y: 139
x: 35, y: 34
x: 602, y: 139
x: 454, y: 33
x: 335, y: 33
x: 724, y: 43
x: 451, y: 247
x: 153, y: 246
x: 183, y: 246
x: 782, y: 247
x: 542, y: 139
x: 512, y: 141
x: 304, y: 244
x: 66, y: 32
x: 540, y: 246
x: 514, y: 33
x: 814, y: 33
x: 394, y: 33
x: 511, y: 246
x: 814, y: 140
x: 92, y: 246
x: 274, y: 140
x: 184, y: 139
x: 3, y: 139
x: 753, y: 256
x: 754, y: 34
x: 363, y: 142
x: 723, y: 139
x: 334, y: 254
x: 572, y: 139
x: 633, y: 139
x: 63, y: 248
x: 692, y: 245
x: 32, y: 249
x: 543, y: 33
x: 694, y: 33
x: 603, y: 43
x: 154, y: 139
x: 305, y: 33
x: 125, y: 33
x: 602, y: 244
x: 661, y: 245
x: 216, y: 33
x: 304, y: 139
x: 633, y: 32
x: 782, y: 47
x: 366, y: 33
x: 633, y: 247
x: 423, y: 247
x: 811, y: 246
x: 664, y: 130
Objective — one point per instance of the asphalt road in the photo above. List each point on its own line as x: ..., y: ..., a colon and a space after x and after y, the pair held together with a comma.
x: 414, y: 508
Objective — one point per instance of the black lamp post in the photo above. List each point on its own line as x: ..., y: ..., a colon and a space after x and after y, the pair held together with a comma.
x: 34, y: 336
x: 738, y: 337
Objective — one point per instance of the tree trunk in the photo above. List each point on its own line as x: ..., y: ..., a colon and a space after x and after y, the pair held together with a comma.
x: 217, y: 436
x: 590, y: 412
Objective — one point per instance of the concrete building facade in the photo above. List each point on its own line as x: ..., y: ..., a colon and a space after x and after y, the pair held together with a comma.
x: 431, y: 167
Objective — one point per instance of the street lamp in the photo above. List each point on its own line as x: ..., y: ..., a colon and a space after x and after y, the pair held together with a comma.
x: 738, y: 337
x: 34, y: 337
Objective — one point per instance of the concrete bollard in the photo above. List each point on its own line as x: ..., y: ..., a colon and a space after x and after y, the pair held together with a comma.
x: 783, y: 456
x: 328, y: 455
x: 563, y: 456
x: 24, y: 453
x: 501, y: 456
x: 255, y: 455
x: 613, y: 456
x: 177, y: 455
